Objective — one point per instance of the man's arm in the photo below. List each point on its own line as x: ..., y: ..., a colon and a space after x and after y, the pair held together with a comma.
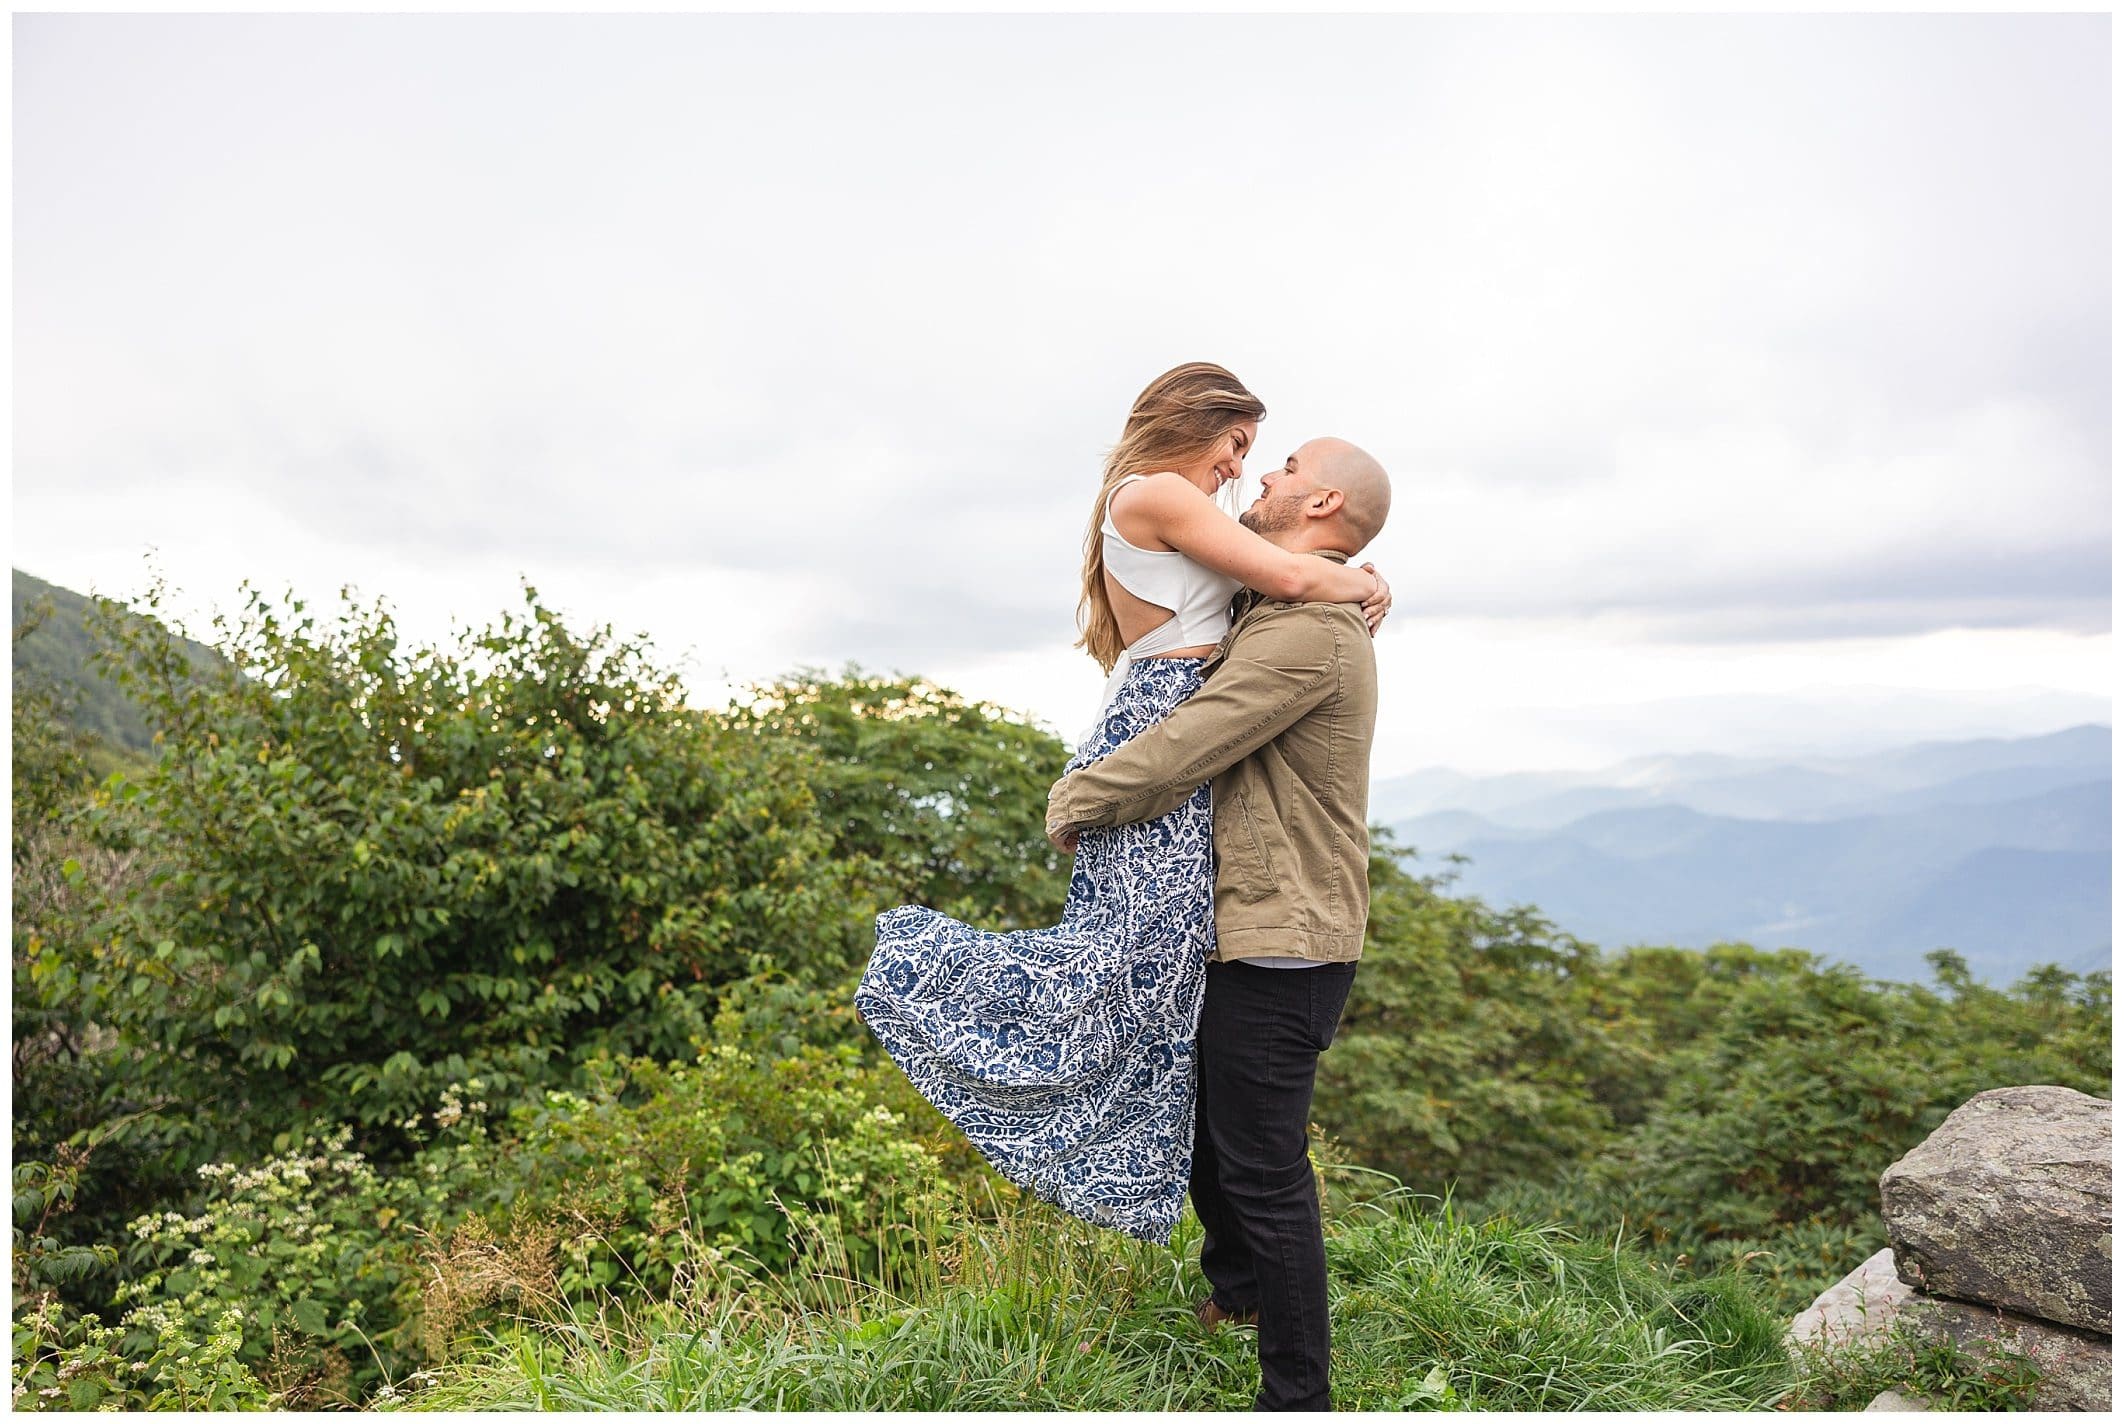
x: 1279, y: 667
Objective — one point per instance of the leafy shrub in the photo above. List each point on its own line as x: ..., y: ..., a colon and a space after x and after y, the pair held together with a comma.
x: 1797, y: 1087
x: 1464, y: 1055
x: 78, y: 1362
x: 943, y: 801
x: 748, y: 1153
x: 380, y: 872
x: 1813, y: 1082
x: 67, y: 1084
x: 316, y: 1250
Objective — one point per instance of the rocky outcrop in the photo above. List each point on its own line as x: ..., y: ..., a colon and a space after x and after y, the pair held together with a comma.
x: 2074, y: 1364
x: 2007, y: 1204
x: 1858, y: 1307
x: 1999, y: 1225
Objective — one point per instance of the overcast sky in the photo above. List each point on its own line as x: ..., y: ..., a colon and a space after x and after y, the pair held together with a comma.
x: 1745, y: 380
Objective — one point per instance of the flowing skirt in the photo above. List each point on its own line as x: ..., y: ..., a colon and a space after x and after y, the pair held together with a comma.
x: 1067, y: 1054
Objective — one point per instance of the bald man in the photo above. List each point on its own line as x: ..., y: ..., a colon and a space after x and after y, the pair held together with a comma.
x: 1282, y: 727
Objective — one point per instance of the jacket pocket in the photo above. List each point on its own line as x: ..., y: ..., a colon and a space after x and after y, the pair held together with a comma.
x: 1259, y: 882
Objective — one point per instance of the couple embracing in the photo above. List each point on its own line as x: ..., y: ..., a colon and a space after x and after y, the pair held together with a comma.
x: 1160, y: 1041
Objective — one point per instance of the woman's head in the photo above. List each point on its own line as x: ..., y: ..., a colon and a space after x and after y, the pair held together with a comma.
x: 1191, y: 417
x: 1195, y: 419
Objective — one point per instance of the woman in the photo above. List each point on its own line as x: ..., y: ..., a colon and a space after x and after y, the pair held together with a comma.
x: 1066, y: 1054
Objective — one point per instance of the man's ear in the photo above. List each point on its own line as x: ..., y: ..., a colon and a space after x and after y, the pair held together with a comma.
x: 1322, y: 503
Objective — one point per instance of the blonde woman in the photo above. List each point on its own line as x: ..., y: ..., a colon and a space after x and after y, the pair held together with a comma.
x: 1067, y: 1054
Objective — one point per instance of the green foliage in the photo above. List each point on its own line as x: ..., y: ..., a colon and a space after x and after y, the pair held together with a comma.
x: 353, y: 877
x: 269, y: 1296
x: 1944, y: 1376
x: 317, y: 1251
x: 1812, y: 1082
x: 62, y: 876
x: 78, y: 1363
x: 42, y: 1192
x: 1788, y: 1088
x: 380, y: 871
x: 942, y: 799
x: 51, y: 753
x: 754, y: 1153
x: 1465, y: 1055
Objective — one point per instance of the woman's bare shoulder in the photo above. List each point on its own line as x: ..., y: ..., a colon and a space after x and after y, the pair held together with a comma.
x: 1153, y: 494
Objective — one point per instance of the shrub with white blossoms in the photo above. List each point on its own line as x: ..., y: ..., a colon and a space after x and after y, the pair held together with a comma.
x: 315, y: 1249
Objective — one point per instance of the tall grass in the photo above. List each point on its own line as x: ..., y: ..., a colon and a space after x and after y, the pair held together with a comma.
x: 1021, y: 1307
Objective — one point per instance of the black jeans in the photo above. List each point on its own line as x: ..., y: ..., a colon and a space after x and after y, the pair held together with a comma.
x: 1261, y: 1036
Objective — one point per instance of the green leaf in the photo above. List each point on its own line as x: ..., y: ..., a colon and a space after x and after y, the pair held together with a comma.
x: 313, y: 1317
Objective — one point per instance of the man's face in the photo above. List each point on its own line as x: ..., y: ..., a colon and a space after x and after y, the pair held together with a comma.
x: 1283, y: 494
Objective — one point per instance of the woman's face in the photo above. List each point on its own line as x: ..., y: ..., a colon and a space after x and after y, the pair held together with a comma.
x: 1226, y: 460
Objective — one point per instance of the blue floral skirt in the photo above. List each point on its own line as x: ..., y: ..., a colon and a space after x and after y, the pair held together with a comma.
x: 1067, y: 1054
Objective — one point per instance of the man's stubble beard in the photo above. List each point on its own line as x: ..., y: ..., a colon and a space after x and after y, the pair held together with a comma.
x: 1274, y: 516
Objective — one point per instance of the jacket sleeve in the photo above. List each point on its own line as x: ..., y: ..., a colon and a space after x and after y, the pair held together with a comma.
x: 1280, y: 666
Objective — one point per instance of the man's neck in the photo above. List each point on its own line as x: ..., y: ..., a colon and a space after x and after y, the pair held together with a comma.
x: 1303, y: 546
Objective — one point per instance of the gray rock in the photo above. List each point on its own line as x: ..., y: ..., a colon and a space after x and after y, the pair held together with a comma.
x: 2074, y: 1365
x: 2007, y: 1204
x: 1860, y: 1306
x: 1892, y: 1399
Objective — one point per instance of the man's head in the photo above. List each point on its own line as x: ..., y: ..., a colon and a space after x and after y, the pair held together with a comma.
x: 1328, y: 495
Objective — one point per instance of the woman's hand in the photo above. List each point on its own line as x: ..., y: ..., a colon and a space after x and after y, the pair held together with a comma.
x: 1376, y: 606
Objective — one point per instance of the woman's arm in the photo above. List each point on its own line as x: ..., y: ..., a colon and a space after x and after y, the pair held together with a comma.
x: 1190, y: 521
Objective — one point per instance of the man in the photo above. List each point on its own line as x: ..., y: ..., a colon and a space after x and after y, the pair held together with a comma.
x: 1283, y: 726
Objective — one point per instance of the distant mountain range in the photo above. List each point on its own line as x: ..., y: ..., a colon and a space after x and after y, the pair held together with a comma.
x: 1998, y: 848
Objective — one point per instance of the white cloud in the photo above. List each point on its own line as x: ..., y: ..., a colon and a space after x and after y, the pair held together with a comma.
x: 799, y: 338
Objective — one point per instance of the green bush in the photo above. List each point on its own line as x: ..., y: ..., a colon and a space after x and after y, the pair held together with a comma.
x: 1812, y: 1082
x: 318, y: 1251
x: 751, y: 1154
x: 942, y: 801
x: 379, y: 872
x: 296, y: 1280
x: 1465, y: 1056
x: 1794, y: 1088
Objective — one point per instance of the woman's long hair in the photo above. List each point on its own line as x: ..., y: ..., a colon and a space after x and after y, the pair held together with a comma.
x: 1178, y: 418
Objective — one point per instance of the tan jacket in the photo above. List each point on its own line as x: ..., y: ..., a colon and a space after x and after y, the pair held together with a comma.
x: 1282, y: 726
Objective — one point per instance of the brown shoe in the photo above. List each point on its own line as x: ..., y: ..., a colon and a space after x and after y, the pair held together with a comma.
x: 1209, y: 1315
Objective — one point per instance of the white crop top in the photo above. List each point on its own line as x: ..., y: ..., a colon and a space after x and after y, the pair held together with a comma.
x: 1200, y: 598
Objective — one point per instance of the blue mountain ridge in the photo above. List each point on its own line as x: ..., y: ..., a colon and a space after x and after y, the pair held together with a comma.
x: 1997, y: 848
